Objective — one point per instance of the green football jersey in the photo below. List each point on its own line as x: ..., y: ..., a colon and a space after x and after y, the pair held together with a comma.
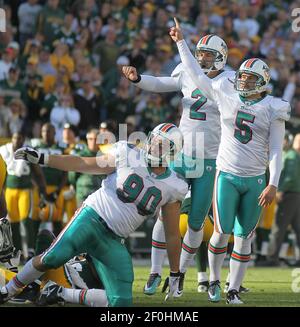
x: 53, y: 176
x: 85, y: 184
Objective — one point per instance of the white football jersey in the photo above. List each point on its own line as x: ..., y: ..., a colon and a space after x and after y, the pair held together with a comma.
x: 14, y: 167
x: 245, y: 129
x: 133, y: 193
x: 200, y: 120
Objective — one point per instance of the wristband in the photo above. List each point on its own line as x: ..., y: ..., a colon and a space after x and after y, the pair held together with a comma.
x: 138, y: 79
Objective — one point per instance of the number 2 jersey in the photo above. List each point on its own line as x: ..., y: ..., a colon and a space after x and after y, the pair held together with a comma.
x: 133, y: 193
x: 199, y: 115
x: 200, y: 119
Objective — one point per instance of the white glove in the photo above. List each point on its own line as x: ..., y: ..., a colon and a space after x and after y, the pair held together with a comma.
x: 172, y: 282
x: 69, y: 194
x: 31, y: 155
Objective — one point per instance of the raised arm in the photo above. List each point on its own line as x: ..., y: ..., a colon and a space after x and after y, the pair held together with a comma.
x: 104, y: 164
x: 151, y: 83
x: 191, y: 65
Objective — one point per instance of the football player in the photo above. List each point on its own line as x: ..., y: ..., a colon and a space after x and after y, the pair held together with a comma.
x: 74, y: 282
x: 201, y: 255
x: 139, y: 184
x: 200, y: 125
x: 253, y: 126
x: 55, y: 179
x: 18, y: 189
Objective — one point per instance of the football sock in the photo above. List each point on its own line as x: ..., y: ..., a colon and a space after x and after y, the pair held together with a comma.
x: 57, y: 227
x: 201, y: 257
x: 217, y: 250
x: 23, y: 278
x: 190, y: 244
x: 91, y: 297
x: 15, y: 229
x: 239, y: 260
x: 228, y: 278
x: 202, y: 277
x: 32, y: 227
x: 158, y: 250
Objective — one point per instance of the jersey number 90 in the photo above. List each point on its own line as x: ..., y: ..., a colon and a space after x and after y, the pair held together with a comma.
x: 132, y: 188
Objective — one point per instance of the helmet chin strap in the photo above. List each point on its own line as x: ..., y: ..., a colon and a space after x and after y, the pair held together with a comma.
x: 207, y: 70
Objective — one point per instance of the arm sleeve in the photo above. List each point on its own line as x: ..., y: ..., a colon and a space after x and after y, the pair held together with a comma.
x: 194, y: 70
x: 159, y: 84
x: 277, y: 130
x: 180, y: 191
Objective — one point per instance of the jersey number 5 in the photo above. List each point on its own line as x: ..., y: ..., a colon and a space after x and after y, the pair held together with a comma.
x: 243, y: 133
x: 132, y: 188
x: 196, y: 106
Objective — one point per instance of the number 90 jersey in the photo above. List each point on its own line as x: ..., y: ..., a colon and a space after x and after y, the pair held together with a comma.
x: 200, y: 120
x: 133, y: 193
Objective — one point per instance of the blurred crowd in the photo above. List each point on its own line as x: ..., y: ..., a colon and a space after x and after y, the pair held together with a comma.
x: 61, y: 63
x: 61, y: 59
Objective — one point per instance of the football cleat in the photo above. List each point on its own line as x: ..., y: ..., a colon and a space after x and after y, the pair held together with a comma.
x: 214, y: 291
x: 203, y: 286
x: 152, y: 284
x: 233, y: 297
x: 3, y: 295
x: 242, y: 289
x: 50, y: 294
x: 28, y: 295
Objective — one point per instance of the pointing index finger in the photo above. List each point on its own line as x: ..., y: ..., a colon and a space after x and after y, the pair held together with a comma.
x: 176, y: 22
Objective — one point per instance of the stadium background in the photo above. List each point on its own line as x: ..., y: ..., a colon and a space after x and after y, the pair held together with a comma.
x: 56, y: 49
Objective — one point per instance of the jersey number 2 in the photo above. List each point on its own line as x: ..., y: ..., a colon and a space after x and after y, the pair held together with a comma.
x: 243, y: 133
x: 196, y: 106
x: 132, y: 188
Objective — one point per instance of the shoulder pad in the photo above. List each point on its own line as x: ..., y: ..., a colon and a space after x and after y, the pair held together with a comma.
x: 179, y: 69
x: 280, y: 109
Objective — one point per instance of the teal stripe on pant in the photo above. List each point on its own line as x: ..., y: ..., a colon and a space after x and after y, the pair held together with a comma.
x: 201, y: 191
x: 87, y: 234
x: 237, y: 203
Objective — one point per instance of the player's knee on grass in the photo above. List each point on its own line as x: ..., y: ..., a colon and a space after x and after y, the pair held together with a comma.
x: 120, y: 301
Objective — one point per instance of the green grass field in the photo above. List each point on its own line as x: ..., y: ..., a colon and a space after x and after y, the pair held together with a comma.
x: 268, y: 287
